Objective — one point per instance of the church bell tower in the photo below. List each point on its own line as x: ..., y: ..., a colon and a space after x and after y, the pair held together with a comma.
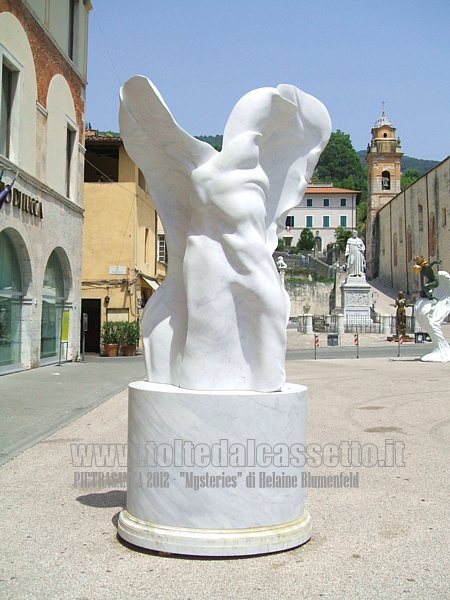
x: 384, y: 179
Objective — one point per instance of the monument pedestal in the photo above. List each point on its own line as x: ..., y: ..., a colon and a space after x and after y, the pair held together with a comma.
x: 215, y: 473
x: 356, y: 300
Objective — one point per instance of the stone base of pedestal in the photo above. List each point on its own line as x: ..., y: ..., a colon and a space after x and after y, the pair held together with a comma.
x: 405, y: 338
x: 214, y: 542
x: 215, y: 473
x: 356, y: 301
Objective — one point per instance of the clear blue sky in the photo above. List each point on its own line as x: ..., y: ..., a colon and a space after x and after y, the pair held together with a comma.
x: 203, y: 55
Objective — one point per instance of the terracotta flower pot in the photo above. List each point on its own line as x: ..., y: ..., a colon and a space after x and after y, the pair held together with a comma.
x: 111, y: 349
x: 128, y: 349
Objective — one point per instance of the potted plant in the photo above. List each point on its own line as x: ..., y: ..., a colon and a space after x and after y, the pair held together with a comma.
x: 131, y: 334
x: 111, y: 337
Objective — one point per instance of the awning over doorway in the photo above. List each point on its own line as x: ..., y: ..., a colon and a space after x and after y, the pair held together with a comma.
x: 153, y: 284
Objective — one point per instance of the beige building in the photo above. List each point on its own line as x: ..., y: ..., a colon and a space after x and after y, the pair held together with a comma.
x: 384, y: 181
x: 43, y: 49
x: 415, y: 222
x: 124, y: 257
x: 322, y: 209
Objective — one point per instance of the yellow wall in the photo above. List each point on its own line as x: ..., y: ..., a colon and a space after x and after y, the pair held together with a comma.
x: 119, y: 231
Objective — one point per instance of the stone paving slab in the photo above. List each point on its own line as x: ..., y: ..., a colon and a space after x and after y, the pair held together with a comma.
x: 387, y: 538
x: 36, y: 403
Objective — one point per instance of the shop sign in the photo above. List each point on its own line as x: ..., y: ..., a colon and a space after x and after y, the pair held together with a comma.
x: 24, y: 202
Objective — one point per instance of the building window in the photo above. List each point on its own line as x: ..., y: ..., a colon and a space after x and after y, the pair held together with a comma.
x: 9, y: 110
x: 432, y: 235
x: 394, y: 244
x: 343, y: 201
x: 287, y: 242
x: 141, y: 180
x: 5, y: 121
x: 400, y: 230
x: 326, y: 202
x: 343, y: 220
x: 420, y: 217
x: 162, y: 248
x: 309, y: 221
x: 443, y: 217
x: 408, y: 244
x: 385, y: 180
x: 308, y: 201
x: 289, y: 222
x: 10, y: 303
x: 102, y: 163
x: 70, y: 153
x: 52, y: 308
x: 318, y: 242
x: 325, y: 221
x: 73, y: 30
x: 146, y: 246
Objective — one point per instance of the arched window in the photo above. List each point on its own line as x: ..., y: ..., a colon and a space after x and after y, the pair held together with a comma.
x: 385, y: 180
x: 318, y: 242
x: 52, y: 309
x: 10, y: 302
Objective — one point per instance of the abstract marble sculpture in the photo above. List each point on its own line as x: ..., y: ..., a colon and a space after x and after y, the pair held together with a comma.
x: 430, y: 314
x: 227, y: 481
x: 218, y: 321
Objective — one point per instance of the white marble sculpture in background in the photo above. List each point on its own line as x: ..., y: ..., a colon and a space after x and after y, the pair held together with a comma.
x: 430, y: 313
x: 354, y: 253
x: 218, y: 321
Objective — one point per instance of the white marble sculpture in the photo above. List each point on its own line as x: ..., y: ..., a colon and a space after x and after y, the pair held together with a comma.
x: 218, y: 321
x: 281, y: 264
x: 354, y: 253
x: 430, y: 313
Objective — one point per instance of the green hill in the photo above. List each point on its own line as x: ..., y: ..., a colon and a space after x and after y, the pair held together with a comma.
x: 214, y: 140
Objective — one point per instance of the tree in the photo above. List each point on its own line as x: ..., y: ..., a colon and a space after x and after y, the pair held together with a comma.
x: 281, y: 245
x: 409, y: 176
x: 342, y: 234
x: 306, y: 240
x: 339, y: 163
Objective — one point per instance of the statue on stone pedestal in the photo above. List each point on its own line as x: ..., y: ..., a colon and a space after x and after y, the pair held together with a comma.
x: 400, y: 315
x: 354, y: 254
x: 218, y: 321
x: 281, y: 264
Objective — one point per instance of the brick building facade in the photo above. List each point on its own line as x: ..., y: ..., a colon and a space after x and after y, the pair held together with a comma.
x: 43, y: 50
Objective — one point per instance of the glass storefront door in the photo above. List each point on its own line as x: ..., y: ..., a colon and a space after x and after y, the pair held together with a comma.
x: 10, y: 303
x: 52, y: 309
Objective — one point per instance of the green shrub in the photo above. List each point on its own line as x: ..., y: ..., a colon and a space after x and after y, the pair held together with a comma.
x: 111, y: 332
x: 131, y: 333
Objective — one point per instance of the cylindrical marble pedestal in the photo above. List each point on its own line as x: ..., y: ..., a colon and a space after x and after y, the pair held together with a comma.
x: 215, y: 473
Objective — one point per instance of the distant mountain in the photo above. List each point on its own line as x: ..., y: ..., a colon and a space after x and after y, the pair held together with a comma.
x: 407, y: 162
